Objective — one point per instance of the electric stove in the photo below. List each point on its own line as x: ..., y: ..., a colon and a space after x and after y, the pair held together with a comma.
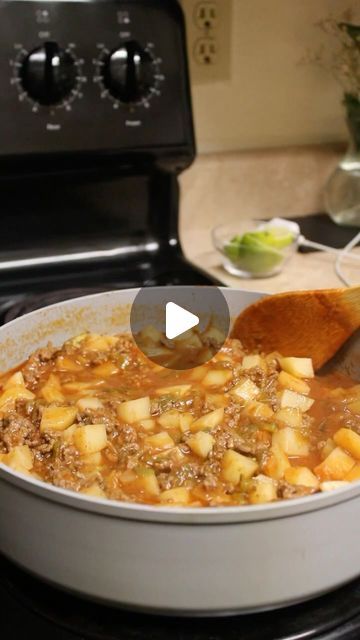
x: 96, y: 125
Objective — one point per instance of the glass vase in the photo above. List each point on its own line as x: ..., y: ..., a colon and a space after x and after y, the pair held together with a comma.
x: 342, y: 191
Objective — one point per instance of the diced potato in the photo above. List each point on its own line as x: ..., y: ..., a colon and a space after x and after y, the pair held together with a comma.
x: 354, y: 474
x: 148, y: 425
x: 217, y: 377
x: 295, y: 400
x: 154, y: 351
x: 331, y: 485
x: 175, y: 390
x: 173, y: 453
x: 96, y: 342
x: 262, y: 490
x: 217, y: 400
x: 17, y: 379
x: 128, y: 476
x: 235, y: 467
x: 57, y: 418
x: 287, y: 381
x: 338, y: 393
x: 17, y: 392
x: 160, y: 440
x: 198, y: 373
x: 147, y: 481
x: 249, y: 362
x: 273, y: 356
x: 258, y: 410
x: 81, y: 387
x: 298, y: 367
x: 90, y: 438
x: 328, y: 447
x: 246, y: 390
x: 352, y: 392
x: 205, y: 356
x: 76, y: 341
x: 188, y: 340
x: 90, y: 402
x: 179, y: 495
x: 95, y: 491
x: 291, y: 441
x: 92, y: 459
x: 208, y: 421
x: 301, y: 476
x: 19, y: 458
x: 186, y: 420
x: 68, y: 434
x: 336, y: 466
x: 64, y: 363
x: 105, y: 370
x: 349, y: 440
x: 170, y: 419
x: 214, y: 334
x: 51, y: 390
x: 277, y: 463
x: 150, y: 333
x: 353, y: 406
x: 201, y: 443
x: 134, y: 410
x: 290, y: 417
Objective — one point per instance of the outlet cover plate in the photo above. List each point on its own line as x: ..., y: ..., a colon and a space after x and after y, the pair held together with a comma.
x: 215, y: 40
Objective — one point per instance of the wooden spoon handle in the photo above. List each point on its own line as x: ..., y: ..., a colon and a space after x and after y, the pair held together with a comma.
x: 301, y: 323
x: 350, y: 301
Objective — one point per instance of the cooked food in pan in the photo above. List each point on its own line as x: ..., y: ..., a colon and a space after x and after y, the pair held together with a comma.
x: 96, y: 416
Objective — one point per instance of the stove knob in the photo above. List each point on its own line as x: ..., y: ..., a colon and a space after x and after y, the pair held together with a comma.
x: 48, y: 74
x: 128, y: 73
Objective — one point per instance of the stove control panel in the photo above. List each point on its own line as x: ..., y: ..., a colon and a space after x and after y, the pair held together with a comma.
x: 130, y: 74
x: 47, y: 76
x: 92, y: 76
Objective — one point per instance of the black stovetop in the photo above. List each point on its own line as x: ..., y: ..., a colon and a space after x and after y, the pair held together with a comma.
x: 32, y: 607
x: 23, y: 294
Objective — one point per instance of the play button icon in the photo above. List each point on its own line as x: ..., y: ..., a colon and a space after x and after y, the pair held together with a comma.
x: 180, y: 327
x: 178, y: 320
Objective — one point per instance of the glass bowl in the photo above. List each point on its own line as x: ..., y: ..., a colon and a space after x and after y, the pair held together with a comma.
x: 254, y: 249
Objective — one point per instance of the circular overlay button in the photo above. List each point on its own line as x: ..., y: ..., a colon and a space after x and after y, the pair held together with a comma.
x: 180, y: 327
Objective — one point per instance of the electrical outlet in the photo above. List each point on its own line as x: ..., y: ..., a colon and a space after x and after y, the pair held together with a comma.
x: 208, y: 25
x: 205, y: 51
x: 206, y: 15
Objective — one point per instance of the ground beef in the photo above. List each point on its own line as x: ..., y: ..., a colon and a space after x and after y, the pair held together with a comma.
x: 101, y: 416
x: 162, y: 465
x: 36, y: 365
x: 210, y: 473
x: 287, y: 491
x: 128, y: 454
x: 17, y: 430
x: 180, y: 476
x: 111, y: 455
x: 270, y: 390
x: 65, y: 470
x: 127, y: 435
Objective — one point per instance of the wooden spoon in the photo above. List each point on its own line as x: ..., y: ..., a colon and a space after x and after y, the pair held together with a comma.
x: 301, y: 323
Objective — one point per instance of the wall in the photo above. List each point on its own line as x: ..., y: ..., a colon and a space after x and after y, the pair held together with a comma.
x: 271, y: 100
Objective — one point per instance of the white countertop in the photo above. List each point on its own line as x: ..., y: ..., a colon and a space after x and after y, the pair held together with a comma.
x: 222, y: 188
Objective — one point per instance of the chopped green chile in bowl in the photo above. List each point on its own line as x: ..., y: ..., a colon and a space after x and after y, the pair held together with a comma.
x: 253, y: 250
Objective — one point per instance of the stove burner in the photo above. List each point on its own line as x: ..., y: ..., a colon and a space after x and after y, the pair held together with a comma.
x: 65, y: 617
